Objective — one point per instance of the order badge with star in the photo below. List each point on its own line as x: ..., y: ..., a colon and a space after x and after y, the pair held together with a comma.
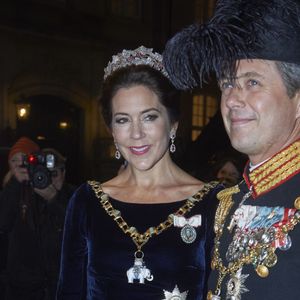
x: 175, y: 294
x: 236, y: 286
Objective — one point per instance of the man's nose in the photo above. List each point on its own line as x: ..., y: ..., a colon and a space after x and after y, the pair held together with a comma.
x: 234, y: 97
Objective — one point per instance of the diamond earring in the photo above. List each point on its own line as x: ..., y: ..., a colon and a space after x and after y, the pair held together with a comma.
x: 117, y: 153
x: 172, y: 146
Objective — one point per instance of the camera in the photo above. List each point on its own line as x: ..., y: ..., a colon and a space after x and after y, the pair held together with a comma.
x: 39, y: 167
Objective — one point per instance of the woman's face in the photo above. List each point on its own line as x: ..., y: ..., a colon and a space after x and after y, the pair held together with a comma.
x: 140, y: 126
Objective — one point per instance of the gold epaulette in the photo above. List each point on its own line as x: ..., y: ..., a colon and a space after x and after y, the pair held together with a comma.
x: 226, y: 202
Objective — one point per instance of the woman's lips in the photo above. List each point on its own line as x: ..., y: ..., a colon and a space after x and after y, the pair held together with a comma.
x: 139, y: 150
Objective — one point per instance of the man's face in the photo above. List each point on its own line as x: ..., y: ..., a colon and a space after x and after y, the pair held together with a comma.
x: 259, y: 117
x: 16, y: 168
x: 16, y: 160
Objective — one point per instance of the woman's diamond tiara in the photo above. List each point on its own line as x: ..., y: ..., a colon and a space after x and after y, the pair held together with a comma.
x: 139, y: 56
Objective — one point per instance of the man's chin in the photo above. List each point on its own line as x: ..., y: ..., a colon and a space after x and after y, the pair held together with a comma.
x: 239, y: 145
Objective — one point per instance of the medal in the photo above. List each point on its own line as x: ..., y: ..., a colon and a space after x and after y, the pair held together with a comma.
x: 286, y: 243
x: 139, y: 272
x: 188, y: 232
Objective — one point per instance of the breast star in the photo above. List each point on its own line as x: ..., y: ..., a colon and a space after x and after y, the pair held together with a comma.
x: 175, y: 295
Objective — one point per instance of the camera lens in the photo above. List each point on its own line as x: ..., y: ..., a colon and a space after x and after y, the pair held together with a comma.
x: 41, y: 177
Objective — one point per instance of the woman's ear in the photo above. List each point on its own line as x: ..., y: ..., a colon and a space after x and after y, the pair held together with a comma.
x: 174, y: 127
x: 110, y: 130
x: 297, y: 99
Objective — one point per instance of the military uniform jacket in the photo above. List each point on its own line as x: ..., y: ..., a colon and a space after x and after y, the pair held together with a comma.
x: 257, y: 244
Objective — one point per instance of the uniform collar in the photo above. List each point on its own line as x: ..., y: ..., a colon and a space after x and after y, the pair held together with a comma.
x: 273, y: 172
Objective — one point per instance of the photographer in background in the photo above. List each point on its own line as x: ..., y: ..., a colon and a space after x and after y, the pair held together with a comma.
x: 32, y: 211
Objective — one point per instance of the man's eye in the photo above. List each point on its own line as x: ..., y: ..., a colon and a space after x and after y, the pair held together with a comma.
x: 226, y: 85
x: 252, y: 82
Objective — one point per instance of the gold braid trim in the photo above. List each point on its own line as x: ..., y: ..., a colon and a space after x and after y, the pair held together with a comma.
x: 276, y: 170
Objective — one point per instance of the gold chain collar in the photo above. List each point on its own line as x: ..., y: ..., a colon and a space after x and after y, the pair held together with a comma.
x: 140, y: 239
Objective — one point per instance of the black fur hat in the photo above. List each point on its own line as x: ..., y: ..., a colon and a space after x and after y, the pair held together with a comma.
x: 239, y: 29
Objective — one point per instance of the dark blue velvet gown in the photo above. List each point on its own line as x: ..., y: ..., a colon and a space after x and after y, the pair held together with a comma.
x: 97, y: 253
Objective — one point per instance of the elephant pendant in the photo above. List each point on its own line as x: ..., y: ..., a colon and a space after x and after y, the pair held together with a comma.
x: 139, y: 271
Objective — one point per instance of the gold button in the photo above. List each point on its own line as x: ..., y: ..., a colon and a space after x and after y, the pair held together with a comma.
x: 262, y: 271
x: 209, y: 295
x: 297, y: 203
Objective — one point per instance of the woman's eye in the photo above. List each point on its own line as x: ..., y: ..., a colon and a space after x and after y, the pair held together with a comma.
x: 121, y: 120
x: 150, y: 117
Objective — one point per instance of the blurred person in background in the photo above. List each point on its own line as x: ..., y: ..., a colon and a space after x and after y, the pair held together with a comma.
x: 3, y: 256
x: 228, y: 168
x: 33, y: 203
